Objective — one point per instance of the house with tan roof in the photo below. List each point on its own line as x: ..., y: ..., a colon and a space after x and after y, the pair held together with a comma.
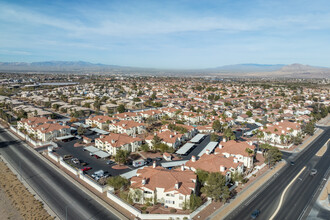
x: 129, y: 116
x: 113, y: 142
x: 43, y: 128
x: 127, y: 127
x: 279, y: 132
x: 216, y: 163
x: 100, y: 121
x: 237, y: 149
x: 169, y: 187
x: 171, y: 138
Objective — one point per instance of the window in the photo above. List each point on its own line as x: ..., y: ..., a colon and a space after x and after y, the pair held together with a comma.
x: 147, y: 192
x: 181, y: 197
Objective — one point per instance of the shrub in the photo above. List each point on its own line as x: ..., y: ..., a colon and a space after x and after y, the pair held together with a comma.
x: 172, y: 211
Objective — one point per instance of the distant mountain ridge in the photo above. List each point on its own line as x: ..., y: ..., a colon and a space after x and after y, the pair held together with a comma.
x: 236, y: 70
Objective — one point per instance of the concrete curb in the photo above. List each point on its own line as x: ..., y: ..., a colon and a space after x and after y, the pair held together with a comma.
x: 29, y: 188
x: 91, y: 194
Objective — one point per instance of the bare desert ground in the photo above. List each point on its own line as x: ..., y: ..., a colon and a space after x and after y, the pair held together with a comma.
x: 16, y: 202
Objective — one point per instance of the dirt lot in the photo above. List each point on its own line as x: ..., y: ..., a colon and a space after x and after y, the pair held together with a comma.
x: 16, y: 202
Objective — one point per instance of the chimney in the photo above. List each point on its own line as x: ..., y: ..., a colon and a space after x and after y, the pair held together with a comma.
x: 250, y: 143
x: 175, y: 133
x: 288, y: 128
x: 220, y: 146
x: 154, y: 164
x: 113, y: 141
x: 193, y: 158
x: 235, y: 160
x: 176, y: 185
x: 277, y: 123
x: 182, y: 167
x: 144, y: 181
x: 281, y: 120
x: 171, y: 136
x: 207, y: 151
x: 224, y: 140
x: 222, y: 168
x: 101, y: 136
x: 283, y: 131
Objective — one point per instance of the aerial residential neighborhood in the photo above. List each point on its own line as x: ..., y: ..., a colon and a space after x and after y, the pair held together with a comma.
x: 165, y: 149
x: 164, y: 110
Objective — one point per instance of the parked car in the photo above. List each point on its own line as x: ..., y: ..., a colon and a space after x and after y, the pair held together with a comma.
x: 158, y: 158
x: 292, y: 163
x: 149, y: 160
x: 75, y: 160
x: 255, y: 213
x: 110, y: 162
x: 66, y: 157
x: 86, y: 168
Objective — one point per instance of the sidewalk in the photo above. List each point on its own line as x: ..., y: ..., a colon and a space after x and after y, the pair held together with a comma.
x: 324, y: 198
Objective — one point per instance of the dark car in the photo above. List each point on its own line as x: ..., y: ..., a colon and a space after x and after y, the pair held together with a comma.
x: 109, y: 162
x: 255, y: 214
x: 158, y: 159
x: 292, y: 163
x: 148, y: 160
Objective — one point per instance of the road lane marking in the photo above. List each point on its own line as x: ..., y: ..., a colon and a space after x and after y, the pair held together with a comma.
x: 282, y: 196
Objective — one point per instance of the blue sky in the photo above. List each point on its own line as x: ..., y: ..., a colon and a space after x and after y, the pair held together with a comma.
x: 166, y: 34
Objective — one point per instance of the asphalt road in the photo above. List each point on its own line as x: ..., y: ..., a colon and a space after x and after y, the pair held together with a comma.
x: 59, y: 193
x: 299, y: 196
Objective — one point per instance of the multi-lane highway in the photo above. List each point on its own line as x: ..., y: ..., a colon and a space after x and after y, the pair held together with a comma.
x: 299, y: 196
x: 66, y: 199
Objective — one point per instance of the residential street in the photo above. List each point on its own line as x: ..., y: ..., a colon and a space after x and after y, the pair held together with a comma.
x: 59, y: 193
x: 297, y: 199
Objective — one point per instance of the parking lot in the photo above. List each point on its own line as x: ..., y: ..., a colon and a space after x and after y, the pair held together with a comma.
x: 67, y: 148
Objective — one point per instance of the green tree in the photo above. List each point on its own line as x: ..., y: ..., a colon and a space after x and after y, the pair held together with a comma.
x: 81, y: 130
x: 153, y: 96
x: 309, y: 128
x: 273, y: 155
x: 249, y: 151
x: 217, y: 126
x: 215, y: 187
x: 118, y: 182
x: 249, y: 113
x: 156, y: 140
x: 202, y: 176
x: 214, y: 137
x: 145, y: 147
x: 121, y: 156
x: 121, y: 108
x: 194, y: 202
x: 229, y: 134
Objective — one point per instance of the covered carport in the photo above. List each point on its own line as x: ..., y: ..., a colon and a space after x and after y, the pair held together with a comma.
x: 101, y: 154
x: 185, y: 148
